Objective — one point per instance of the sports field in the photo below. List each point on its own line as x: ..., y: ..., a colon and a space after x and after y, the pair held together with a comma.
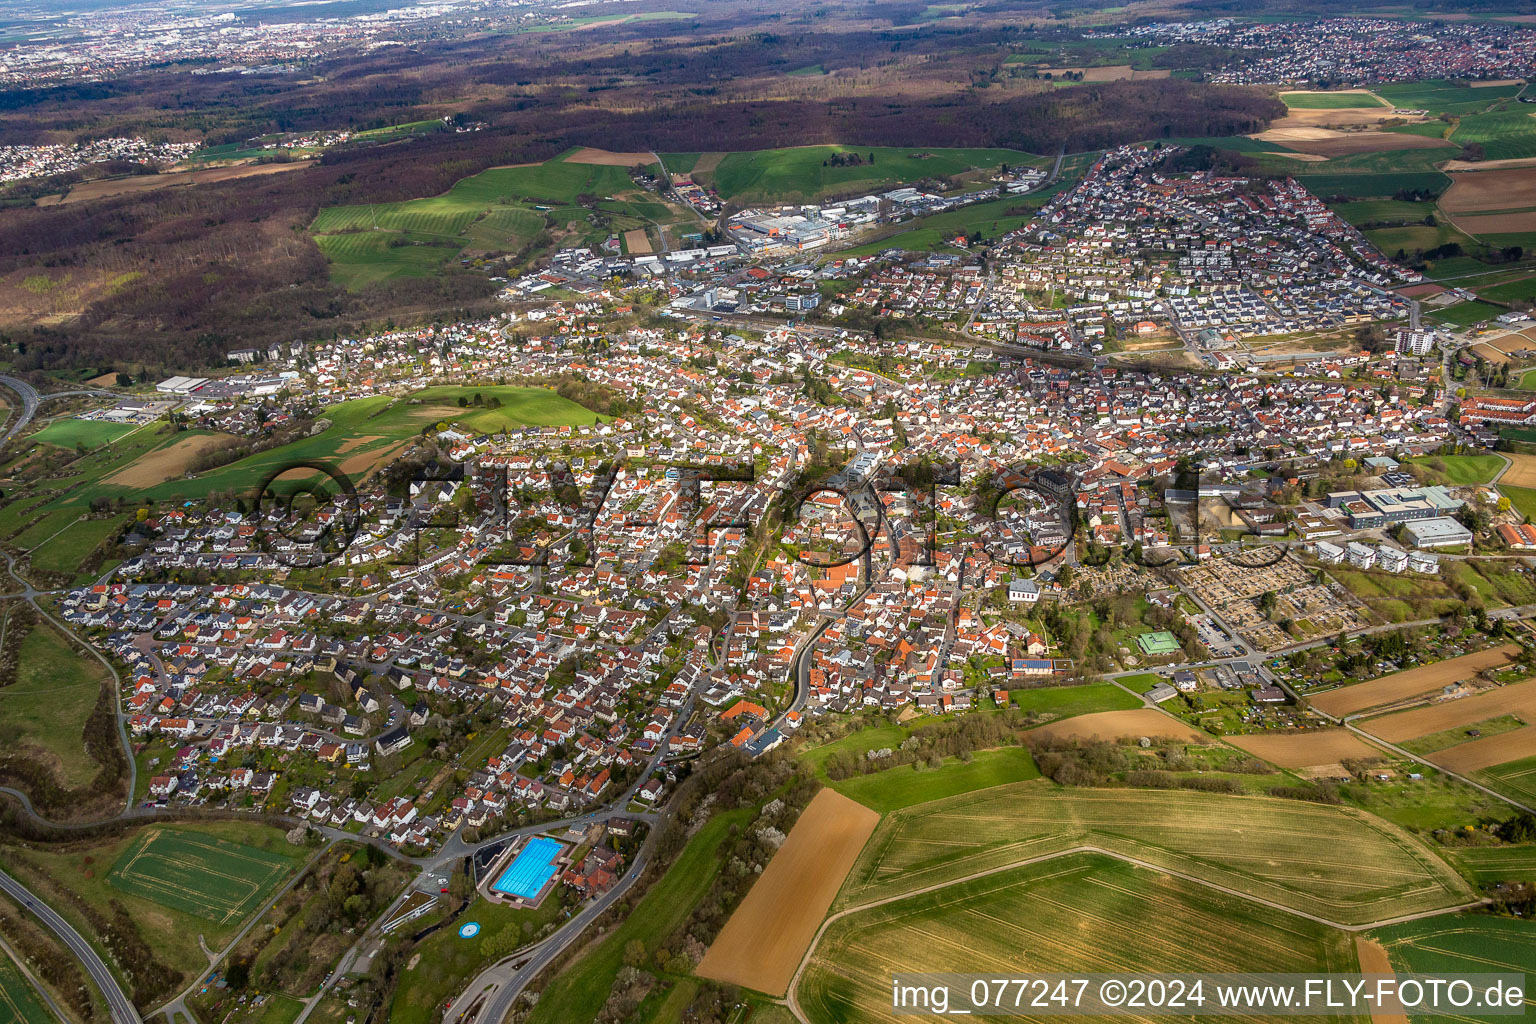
x: 1084, y: 912
x: 799, y: 171
x: 19, y: 1001
x: 198, y: 874
x: 1336, y: 862
x: 89, y: 433
x: 1349, y: 100
x: 1348, y: 700
x: 765, y: 938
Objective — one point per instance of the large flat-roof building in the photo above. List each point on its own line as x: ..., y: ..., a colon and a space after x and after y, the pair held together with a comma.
x: 1442, y: 532
x: 1370, y: 509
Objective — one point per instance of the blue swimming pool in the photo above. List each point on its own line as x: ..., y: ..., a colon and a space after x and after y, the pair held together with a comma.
x: 533, y: 866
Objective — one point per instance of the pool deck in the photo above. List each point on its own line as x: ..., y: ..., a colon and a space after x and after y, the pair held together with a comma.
x: 499, y: 867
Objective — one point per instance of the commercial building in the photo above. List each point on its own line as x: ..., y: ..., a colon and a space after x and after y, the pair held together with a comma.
x: 1443, y: 532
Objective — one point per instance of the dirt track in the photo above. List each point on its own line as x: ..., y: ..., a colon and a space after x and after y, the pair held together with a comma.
x: 765, y: 939
x: 1347, y: 700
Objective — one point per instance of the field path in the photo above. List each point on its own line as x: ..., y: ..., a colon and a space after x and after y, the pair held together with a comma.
x: 794, y: 984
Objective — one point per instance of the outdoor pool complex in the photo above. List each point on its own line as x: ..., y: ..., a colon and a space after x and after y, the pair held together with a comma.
x: 533, y: 866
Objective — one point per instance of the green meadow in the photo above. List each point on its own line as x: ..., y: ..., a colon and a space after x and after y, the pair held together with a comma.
x: 502, y: 209
x: 1329, y: 100
x: 799, y: 171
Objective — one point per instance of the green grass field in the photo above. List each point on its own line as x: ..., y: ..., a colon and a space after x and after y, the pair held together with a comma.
x: 65, y: 550
x: 579, y: 991
x: 1329, y: 100
x: 993, y: 219
x: 798, y: 172
x: 493, y: 211
x: 200, y: 875
x: 56, y: 687
x: 1497, y: 863
x: 20, y: 1003
x: 1459, y: 944
x: 1514, y: 778
x: 90, y: 433
x: 1522, y: 498
x: 1411, y: 237
x: 1083, y: 912
x: 1464, y: 314
x: 1466, y: 469
x: 369, y: 429
x: 904, y: 786
x: 1336, y: 862
x: 1066, y: 701
x: 1504, y: 134
x: 1522, y: 290
x: 448, y: 962
x: 1438, y: 96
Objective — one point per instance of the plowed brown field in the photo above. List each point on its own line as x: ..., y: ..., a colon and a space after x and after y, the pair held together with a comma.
x: 1519, y: 699
x: 1401, y: 685
x: 762, y: 943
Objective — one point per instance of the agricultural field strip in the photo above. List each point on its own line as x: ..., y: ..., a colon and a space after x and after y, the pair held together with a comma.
x: 169, y: 881
x: 1518, y: 698
x: 1088, y: 849
x: 1349, y: 700
x: 1325, y: 873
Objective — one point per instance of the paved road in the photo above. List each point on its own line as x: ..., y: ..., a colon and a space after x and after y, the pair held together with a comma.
x: 30, y: 399
x: 118, y: 1003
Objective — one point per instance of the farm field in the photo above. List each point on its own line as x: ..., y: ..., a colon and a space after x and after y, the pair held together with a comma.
x: 1509, y: 188
x: 1111, y: 725
x: 765, y: 938
x: 993, y: 219
x: 1336, y: 862
x: 201, y: 875
x: 1517, y: 698
x: 1459, y: 943
x: 46, y: 708
x: 1521, y: 472
x: 902, y: 786
x: 104, y: 187
x: 1066, y: 914
x: 1348, y: 700
x: 1488, y: 751
x: 1503, y: 134
x: 20, y: 1003
x: 1517, y: 778
x: 799, y: 171
x: 1438, y: 96
x: 1498, y: 863
x: 1306, y: 750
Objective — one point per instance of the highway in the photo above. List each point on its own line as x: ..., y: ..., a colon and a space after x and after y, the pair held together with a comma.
x: 118, y: 1003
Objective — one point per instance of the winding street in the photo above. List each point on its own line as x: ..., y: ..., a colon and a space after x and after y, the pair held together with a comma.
x: 31, y: 399
x: 121, y: 1007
